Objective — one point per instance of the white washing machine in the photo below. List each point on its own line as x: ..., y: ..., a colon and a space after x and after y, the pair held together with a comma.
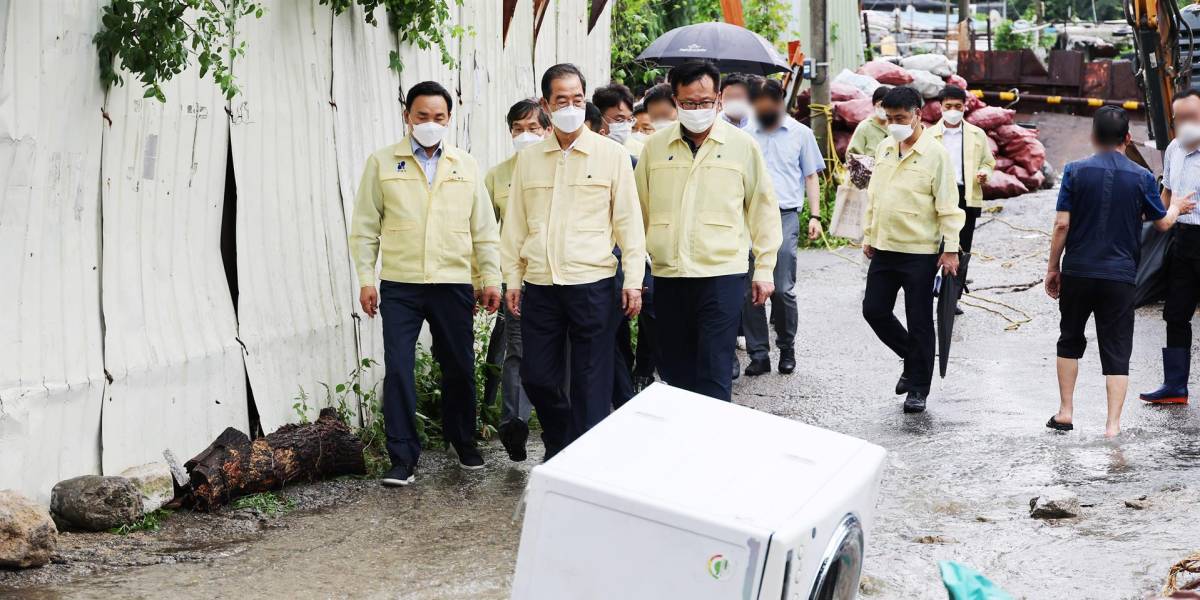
x: 680, y: 496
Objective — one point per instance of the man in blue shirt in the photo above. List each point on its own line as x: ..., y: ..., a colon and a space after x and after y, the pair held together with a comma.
x: 793, y: 160
x: 1101, y: 205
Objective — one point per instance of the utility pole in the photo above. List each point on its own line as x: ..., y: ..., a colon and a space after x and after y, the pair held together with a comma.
x: 965, y: 40
x: 818, y: 35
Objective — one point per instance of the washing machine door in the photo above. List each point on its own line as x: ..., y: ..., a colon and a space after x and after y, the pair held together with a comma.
x: 841, y: 565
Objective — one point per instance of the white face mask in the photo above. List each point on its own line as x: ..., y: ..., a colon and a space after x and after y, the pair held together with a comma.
x: 880, y: 113
x: 737, y: 109
x: 638, y: 136
x: 619, y: 132
x: 525, y: 140
x: 568, y: 119
x: 1188, y: 133
x: 662, y: 124
x: 697, y: 120
x: 900, y: 132
x: 953, y: 117
x: 429, y: 134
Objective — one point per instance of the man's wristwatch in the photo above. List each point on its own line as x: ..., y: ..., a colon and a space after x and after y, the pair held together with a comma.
x: 811, y: 217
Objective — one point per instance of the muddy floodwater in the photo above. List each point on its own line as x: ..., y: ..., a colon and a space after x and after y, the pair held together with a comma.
x: 957, y: 486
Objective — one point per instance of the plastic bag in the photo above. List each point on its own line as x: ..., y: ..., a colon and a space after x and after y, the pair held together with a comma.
x: 937, y: 64
x: 841, y: 92
x: 1003, y: 185
x: 849, y: 213
x: 964, y: 583
x: 885, y: 72
x: 859, y: 168
x: 928, y: 84
x: 955, y: 80
x: 853, y: 112
x: 990, y: 117
x: 862, y: 82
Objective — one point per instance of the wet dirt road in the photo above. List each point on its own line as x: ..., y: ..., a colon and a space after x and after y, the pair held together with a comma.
x: 957, y: 487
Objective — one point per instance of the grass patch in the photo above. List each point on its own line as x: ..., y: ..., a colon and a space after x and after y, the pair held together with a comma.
x: 151, y: 521
x: 266, y: 503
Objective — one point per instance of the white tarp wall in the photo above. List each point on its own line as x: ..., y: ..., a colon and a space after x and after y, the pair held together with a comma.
x: 117, y: 311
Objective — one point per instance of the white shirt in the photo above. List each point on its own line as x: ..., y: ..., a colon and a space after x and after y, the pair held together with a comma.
x: 1181, y: 174
x: 952, y: 139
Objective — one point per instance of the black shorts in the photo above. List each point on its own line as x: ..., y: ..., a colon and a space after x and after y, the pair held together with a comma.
x: 1112, y: 303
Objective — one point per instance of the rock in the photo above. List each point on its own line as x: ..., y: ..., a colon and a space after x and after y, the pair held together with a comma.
x: 1140, y: 503
x: 869, y: 586
x: 96, y: 502
x: 28, y: 537
x: 1054, y: 504
x: 154, y: 482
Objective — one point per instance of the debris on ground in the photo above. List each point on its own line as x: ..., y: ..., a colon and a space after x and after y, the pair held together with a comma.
x: 95, y: 502
x: 153, y: 482
x: 1054, y: 504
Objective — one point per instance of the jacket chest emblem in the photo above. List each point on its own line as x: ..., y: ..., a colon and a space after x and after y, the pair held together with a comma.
x: 402, y: 166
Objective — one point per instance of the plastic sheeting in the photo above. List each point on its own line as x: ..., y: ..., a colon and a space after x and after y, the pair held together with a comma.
x: 170, y: 333
x: 51, y: 363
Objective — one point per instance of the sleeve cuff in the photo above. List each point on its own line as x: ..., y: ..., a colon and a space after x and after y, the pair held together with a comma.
x: 487, y: 283
x: 764, y: 274
x: 367, y: 280
x: 950, y: 246
x: 515, y: 282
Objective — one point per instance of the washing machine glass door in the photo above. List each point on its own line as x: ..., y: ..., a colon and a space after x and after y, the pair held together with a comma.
x: 841, y: 565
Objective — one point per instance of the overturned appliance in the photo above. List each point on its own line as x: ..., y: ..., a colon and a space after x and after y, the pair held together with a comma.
x: 678, y: 495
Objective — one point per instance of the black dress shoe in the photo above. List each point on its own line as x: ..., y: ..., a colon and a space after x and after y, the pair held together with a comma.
x: 513, y: 436
x: 958, y: 311
x: 758, y: 366
x: 902, y: 386
x: 787, y: 361
x: 915, y: 402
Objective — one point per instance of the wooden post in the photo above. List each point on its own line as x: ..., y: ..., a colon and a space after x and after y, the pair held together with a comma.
x: 818, y: 36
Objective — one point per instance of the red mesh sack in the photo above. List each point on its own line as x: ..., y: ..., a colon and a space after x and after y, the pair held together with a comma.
x: 1003, y: 163
x: 842, y: 92
x: 1003, y: 185
x: 931, y: 112
x: 974, y: 103
x: 1007, y: 133
x: 841, y: 141
x: 993, y: 146
x: 853, y: 112
x: 956, y: 81
x: 1026, y: 152
x: 990, y: 117
x: 885, y: 72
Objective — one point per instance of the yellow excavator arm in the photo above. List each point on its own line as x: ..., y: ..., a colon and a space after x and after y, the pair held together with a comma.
x: 1162, y: 69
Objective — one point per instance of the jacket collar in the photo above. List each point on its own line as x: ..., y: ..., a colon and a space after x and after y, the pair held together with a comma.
x: 405, y: 148
x: 585, y: 143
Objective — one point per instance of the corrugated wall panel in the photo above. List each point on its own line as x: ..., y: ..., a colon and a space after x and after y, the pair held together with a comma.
x: 368, y: 116
x: 51, y: 369
x: 845, y: 43
x: 294, y: 305
x: 170, y: 335
x: 545, y: 49
x: 575, y: 45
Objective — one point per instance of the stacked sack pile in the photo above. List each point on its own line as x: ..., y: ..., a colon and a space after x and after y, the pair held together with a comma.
x: 1019, y: 154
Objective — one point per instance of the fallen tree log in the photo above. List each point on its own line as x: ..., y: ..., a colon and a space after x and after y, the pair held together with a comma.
x: 234, y: 466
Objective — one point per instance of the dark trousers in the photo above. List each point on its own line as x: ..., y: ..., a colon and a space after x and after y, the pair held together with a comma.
x: 584, y: 315
x: 889, y: 273
x: 645, y: 353
x: 1183, y: 286
x: 697, y: 325
x: 449, y: 309
x: 967, y: 235
x: 623, y: 388
x: 1112, y: 303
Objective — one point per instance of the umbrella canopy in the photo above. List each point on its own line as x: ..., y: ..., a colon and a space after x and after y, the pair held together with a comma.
x: 947, y: 302
x: 734, y: 49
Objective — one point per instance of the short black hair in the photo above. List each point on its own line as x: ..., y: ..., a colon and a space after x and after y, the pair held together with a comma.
x: 903, y: 97
x: 613, y: 94
x: 953, y: 92
x: 693, y: 71
x: 1188, y: 93
x: 879, y: 93
x: 737, y: 79
x: 770, y: 88
x: 593, y: 118
x: 1110, y: 125
x: 657, y: 93
x: 428, y: 88
x: 523, y: 108
x: 639, y: 109
x: 561, y: 71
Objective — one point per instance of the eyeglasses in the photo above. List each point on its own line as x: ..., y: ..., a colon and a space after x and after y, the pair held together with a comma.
x: 628, y: 119
x: 564, y: 102
x: 706, y: 104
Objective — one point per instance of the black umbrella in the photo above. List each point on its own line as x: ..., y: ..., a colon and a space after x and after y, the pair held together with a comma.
x: 734, y: 49
x: 950, y: 289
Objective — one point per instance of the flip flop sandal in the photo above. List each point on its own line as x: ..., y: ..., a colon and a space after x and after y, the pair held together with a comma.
x: 1055, y: 425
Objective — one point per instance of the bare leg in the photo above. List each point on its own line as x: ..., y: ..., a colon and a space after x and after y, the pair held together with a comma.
x: 1068, y: 372
x: 1116, y: 385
